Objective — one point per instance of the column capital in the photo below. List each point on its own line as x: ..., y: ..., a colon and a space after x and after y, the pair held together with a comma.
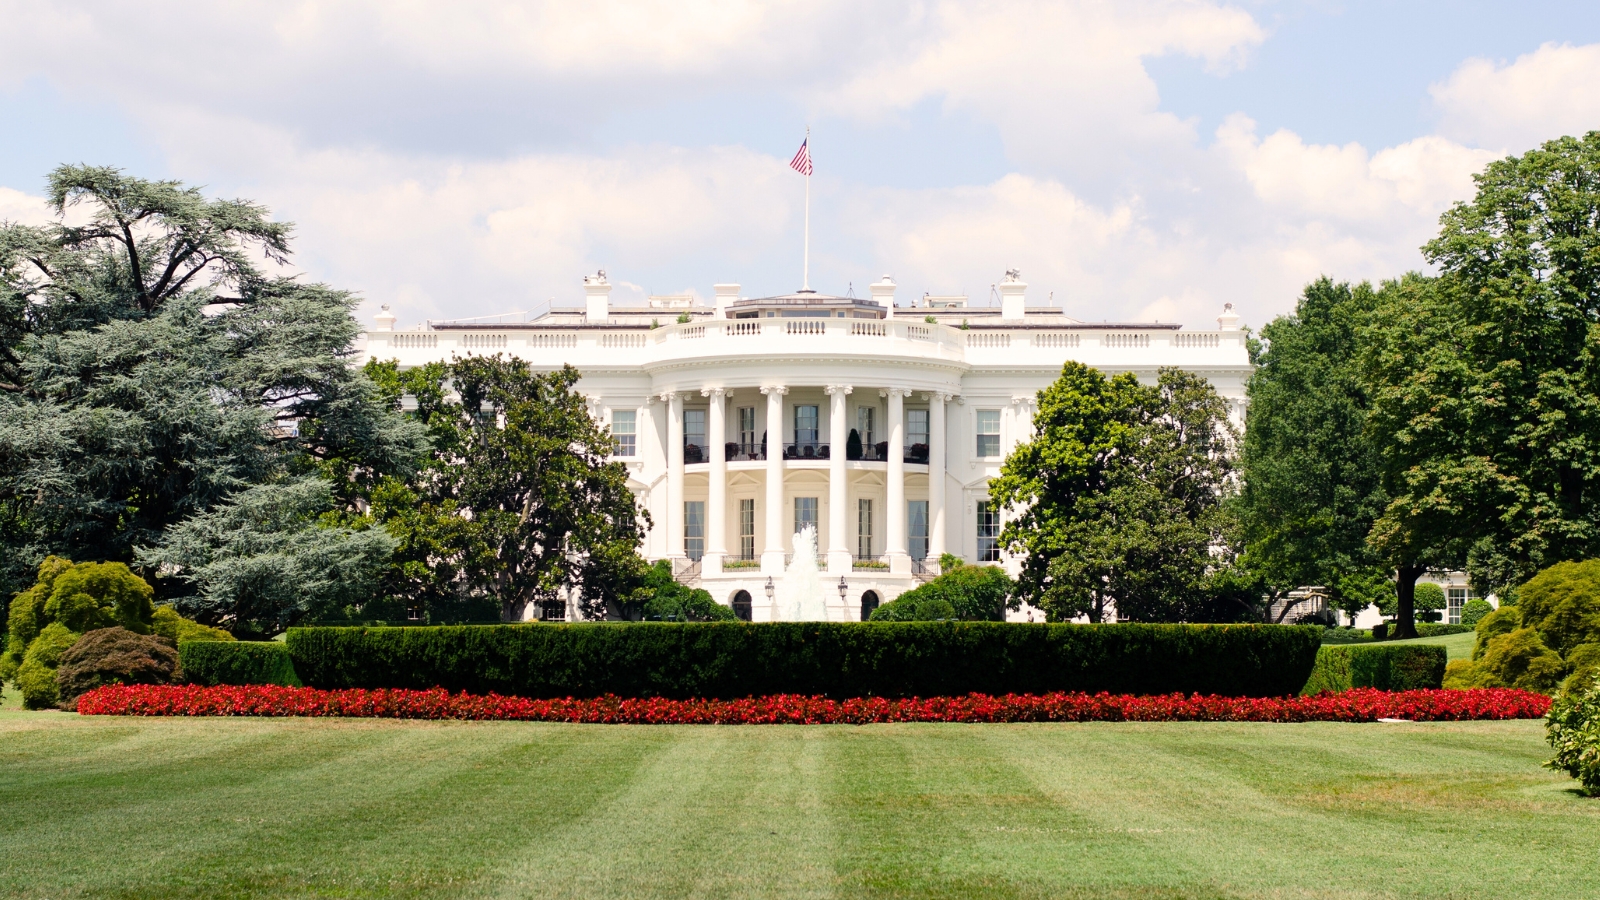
x: 667, y: 396
x: 715, y: 392
x: 941, y: 396
x: 778, y: 389
x: 892, y: 392
x: 1024, y: 400
x: 833, y: 389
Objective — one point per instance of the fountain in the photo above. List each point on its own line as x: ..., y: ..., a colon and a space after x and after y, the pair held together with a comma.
x: 800, y: 598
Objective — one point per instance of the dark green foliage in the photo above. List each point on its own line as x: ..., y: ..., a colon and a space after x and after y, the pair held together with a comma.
x: 1403, y: 667
x: 1118, y: 500
x: 237, y: 662
x: 852, y: 445
x: 113, y: 656
x: 66, y: 601
x: 967, y: 593
x: 1573, y: 730
x: 1428, y: 599
x: 659, y: 597
x: 836, y: 659
x: 1563, y: 604
x: 1474, y: 611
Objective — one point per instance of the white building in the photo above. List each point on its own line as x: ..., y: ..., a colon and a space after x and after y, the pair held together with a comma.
x: 735, y: 422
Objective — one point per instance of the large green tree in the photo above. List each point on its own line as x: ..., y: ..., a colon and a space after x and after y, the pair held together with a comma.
x: 152, y: 366
x: 1486, y: 383
x: 1311, y: 479
x: 1118, y: 500
x: 519, y: 501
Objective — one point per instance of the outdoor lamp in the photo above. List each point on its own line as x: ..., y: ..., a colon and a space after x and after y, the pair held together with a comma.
x: 843, y: 588
x: 770, y: 588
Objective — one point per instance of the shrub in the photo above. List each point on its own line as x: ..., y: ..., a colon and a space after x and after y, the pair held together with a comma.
x: 1337, y: 635
x: 852, y: 445
x: 1474, y: 611
x: 1428, y: 600
x: 1562, y: 603
x: 113, y: 656
x: 1584, y: 661
x: 660, y: 597
x: 1504, y: 620
x: 167, y: 623
x: 968, y: 593
x: 736, y: 659
x: 36, y: 677
x: 1402, y: 667
x: 1436, y: 629
x: 1516, y: 659
x: 1573, y: 730
x: 237, y: 662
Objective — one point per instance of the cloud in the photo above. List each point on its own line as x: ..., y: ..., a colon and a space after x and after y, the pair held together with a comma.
x: 1551, y: 92
x: 23, y: 209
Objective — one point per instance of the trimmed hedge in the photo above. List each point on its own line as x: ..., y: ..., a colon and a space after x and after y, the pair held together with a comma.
x: 884, y: 659
x: 237, y: 662
x: 1406, y: 667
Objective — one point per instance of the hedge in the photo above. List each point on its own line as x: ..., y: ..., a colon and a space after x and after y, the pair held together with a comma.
x: 1406, y: 667
x: 237, y: 662
x: 737, y: 659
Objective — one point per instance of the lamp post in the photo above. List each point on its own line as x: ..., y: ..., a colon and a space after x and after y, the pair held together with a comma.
x: 771, y: 605
x: 843, y: 588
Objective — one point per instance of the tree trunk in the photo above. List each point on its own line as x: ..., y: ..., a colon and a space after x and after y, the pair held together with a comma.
x: 1405, y: 588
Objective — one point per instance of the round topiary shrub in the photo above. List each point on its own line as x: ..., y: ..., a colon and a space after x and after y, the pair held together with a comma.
x: 1573, y: 730
x: 113, y: 656
x: 1474, y: 611
x: 36, y: 677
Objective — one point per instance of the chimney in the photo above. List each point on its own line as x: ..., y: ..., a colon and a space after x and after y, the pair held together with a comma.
x: 597, y: 294
x: 726, y: 294
x: 1013, y: 302
x: 1229, y: 320
x: 883, y: 292
x: 385, y: 319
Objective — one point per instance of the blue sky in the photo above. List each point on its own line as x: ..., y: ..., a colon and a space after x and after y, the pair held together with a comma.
x: 1135, y: 160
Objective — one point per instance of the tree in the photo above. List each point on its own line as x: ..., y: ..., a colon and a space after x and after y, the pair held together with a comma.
x: 1486, y: 379
x: 1118, y: 500
x: 1310, y: 474
x: 519, y: 500
x: 659, y: 597
x: 964, y: 592
x: 150, y: 369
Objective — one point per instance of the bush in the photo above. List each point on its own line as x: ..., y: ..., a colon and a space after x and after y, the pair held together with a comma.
x: 1436, y: 629
x: 167, y: 623
x: 1573, y: 730
x: 1337, y: 635
x: 1562, y: 603
x: 1474, y: 611
x: 36, y: 677
x: 736, y: 659
x: 1504, y: 620
x: 968, y: 593
x: 113, y: 656
x: 852, y: 445
x: 1584, y: 661
x: 1428, y: 600
x: 1402, y: 667
x: 239, y: 662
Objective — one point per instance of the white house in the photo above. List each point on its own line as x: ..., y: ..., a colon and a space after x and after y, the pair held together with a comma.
x: 734, y: 421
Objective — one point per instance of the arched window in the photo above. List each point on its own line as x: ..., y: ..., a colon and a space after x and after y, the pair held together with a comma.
x: 741, y: 605
x: 869, y: 602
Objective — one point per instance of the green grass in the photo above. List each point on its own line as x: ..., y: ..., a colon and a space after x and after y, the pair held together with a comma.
x: 1456, y: 646
x: 130, y: 808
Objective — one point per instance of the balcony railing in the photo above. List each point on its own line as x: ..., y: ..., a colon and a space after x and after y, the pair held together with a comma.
x: 806, y: 450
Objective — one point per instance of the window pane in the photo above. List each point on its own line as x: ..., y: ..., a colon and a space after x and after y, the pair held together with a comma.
x: 805, y: 424
x: 917, y: 519
x: 747, y: 529
x: 805, y: 513
x: 694, y: 528
x: 747, y: 429
x: 988, y: 532
x: 988, y: 433
x: 864, y: 528
x: 624, y: 425
x: 866, y: 421
x: 916, y: 426
x: 694, y: 427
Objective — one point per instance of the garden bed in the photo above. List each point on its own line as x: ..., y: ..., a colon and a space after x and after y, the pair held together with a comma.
x: 1358, y: 705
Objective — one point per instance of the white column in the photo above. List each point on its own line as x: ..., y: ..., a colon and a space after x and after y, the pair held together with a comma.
x: 674, y: 404
x: 839, y: 555
x: 936, y: 464
x: 717, y: 491
x: 899, y: 555
x: 772, y: 549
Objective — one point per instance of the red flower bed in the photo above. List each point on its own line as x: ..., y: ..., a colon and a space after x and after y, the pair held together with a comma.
x: 1360, y: 705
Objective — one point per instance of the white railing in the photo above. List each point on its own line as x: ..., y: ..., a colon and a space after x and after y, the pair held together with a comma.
x: 1124, y: 340
x: 919, y: 333
x: 988, y: 339
x: 693, y: 332
x: 415, y: 341
x: 1060, y: 340
x: 871, y: 329
x: 806, y: 326
x: 1196, y: 339
x: 549, y: 341
x: 484, y: 341
x: 741, y: 329
x: 621, y: 340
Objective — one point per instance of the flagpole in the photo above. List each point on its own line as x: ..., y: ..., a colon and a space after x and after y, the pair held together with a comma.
x: 805, y: 265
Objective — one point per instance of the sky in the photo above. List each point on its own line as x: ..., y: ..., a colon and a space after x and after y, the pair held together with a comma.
x: 1136, y: 161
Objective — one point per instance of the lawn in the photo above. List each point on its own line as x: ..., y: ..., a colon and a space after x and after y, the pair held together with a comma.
x: 108, y: 807
x: 1456, y: 646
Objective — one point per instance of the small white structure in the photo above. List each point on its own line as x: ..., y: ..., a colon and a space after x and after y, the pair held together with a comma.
x: 735, y: 424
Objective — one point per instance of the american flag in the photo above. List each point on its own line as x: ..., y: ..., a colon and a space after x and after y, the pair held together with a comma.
x: 802, y: 159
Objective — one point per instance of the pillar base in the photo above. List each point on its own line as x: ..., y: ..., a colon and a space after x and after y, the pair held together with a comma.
x: 772, y: 562
x: 840, y: 562
x: 899, y: 563
x: 711, y: 564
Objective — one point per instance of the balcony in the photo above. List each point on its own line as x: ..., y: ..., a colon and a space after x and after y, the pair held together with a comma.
x: 806, y: 450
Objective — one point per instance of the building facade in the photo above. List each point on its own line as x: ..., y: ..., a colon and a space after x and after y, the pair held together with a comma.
x: 878, y: 425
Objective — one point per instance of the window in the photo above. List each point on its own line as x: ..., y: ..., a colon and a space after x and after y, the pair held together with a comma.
x: 988, y: 532
x: 869, y: 602
x: 552, y: 611
x: 747, y: 430
x: 694, y: 435
x: 917, y: 519
x: 864, y: 529
x: 988, y: 433
x: 805, y: 514
x: 1456, y: 598
x: 625, y: 428
x: 805, y: 424
x: 747, y: 529
x: 694, y: 528
x: 866, y: 418
x: 741, y: 605
x: 916, y: 427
